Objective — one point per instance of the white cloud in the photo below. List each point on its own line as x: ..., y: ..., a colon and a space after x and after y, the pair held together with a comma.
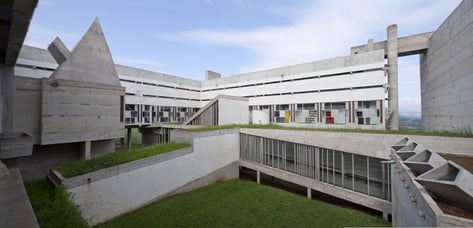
x: 326, y: 29
x: 321, y: 29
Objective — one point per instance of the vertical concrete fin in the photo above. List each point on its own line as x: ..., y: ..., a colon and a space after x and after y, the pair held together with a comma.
x: 393, y: 99
x: 90, y: 61
x: 59, y: 51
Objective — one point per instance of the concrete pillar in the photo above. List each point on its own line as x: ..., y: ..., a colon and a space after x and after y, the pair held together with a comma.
x: 85, y: 150
x: 258, y: 180
x: 385, y: 215
x: 393, y: 99
x: 309, y: 193
x: 122, y: 143
x: 370, y: 45
x: 7, y: 90
x: 128, y: 138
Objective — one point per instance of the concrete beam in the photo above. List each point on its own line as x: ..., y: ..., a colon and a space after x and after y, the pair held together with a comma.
x: 59, y: 50
x: 7, y: 86
x: 408, y: 45
x: 21, y: 14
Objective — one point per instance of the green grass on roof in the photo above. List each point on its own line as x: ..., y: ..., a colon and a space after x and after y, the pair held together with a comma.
x: 52, y: 206
x: 117, y: 158
x: 402, y: 131
x: 237, y: 203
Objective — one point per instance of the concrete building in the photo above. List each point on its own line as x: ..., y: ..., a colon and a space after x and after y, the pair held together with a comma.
x: 78, y: 108
x: 341, y: 92
x: 59, y: 105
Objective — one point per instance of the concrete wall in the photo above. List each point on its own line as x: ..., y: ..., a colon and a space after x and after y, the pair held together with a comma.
x: 212, y: 151
x: 27, y: 107
x: 233, y: 110
x: 447, y: 74
x: 411, y: 203
x: 373, y: 145
x: 46, y: 157
x: 74, y: 111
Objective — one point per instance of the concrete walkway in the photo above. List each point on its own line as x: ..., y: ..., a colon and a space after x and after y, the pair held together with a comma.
x: 15, y: 207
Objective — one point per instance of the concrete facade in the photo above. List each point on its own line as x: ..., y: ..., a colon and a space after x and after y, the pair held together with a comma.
x: 437, y: 196
x: 77, y: 108
x: 341, y: 92
x: 447, y: 74
x: 212, y: 158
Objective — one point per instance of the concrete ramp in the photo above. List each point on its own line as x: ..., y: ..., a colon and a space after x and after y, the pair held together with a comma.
x: 15, y: 207
x: 221, y: 110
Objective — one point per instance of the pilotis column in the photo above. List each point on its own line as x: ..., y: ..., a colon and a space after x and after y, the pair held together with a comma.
x: 393, y: 98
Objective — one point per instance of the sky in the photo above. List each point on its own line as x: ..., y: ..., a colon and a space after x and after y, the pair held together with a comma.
x: 187, y: 37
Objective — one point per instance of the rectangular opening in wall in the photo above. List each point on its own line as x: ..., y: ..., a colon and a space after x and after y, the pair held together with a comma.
x: 376, y: 177
x: 361, y: 173
x: 347, y: 171
x: 338, y: 168
x: 122, y: 108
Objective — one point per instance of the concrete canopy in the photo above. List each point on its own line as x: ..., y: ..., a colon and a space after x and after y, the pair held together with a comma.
x: 90, y: 61
x: 15, y: 17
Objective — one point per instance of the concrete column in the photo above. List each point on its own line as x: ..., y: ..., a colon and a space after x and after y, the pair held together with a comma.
x: 85, y: 150
x: 128, y: 138
x: 385, y: 215
x: 370, y: 45
x: 122, y: 143
x: 258, y: 180
x: 393, y: 99
x: 309, y: 193
x: 7, y: 87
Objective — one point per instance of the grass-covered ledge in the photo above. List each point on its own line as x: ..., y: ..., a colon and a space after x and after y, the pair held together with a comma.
x: 402, y: 131
x: 53, y: 206
x: 117, y: 158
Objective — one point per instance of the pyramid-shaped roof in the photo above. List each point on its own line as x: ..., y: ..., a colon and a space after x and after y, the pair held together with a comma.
x: 90, y: 61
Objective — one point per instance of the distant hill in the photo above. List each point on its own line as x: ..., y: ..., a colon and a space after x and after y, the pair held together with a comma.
x: 410, y: 121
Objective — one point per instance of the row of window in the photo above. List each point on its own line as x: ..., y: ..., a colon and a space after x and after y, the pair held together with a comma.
x: 359, y: 112
x: 359, y: 173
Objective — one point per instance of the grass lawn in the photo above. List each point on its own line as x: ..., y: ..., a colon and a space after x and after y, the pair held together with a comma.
x: 109, y: 160
x: 52, y: 206
x: 237, y: 203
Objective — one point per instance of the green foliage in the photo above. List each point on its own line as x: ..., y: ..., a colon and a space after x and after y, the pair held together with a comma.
x: 52, y: 206
x: 403, y: 131
x: 113, y: 159
x: 238, y: 203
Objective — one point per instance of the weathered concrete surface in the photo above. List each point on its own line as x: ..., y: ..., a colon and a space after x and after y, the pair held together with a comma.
x: 90, y: 61
x: 393, y: 97
x: 98, y: 175
x: 45, y: 157
x: 447, y: 74
x: 373, y: 145
x: 81, y: 100
x: 15, y: 207
x: 411, y: 203
x: 412, y: 200
x: 106, y: 198
x: 407, y: 45
x: 16, y: 16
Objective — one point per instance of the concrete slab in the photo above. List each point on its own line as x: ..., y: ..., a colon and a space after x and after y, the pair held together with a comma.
x: 15, y: 207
